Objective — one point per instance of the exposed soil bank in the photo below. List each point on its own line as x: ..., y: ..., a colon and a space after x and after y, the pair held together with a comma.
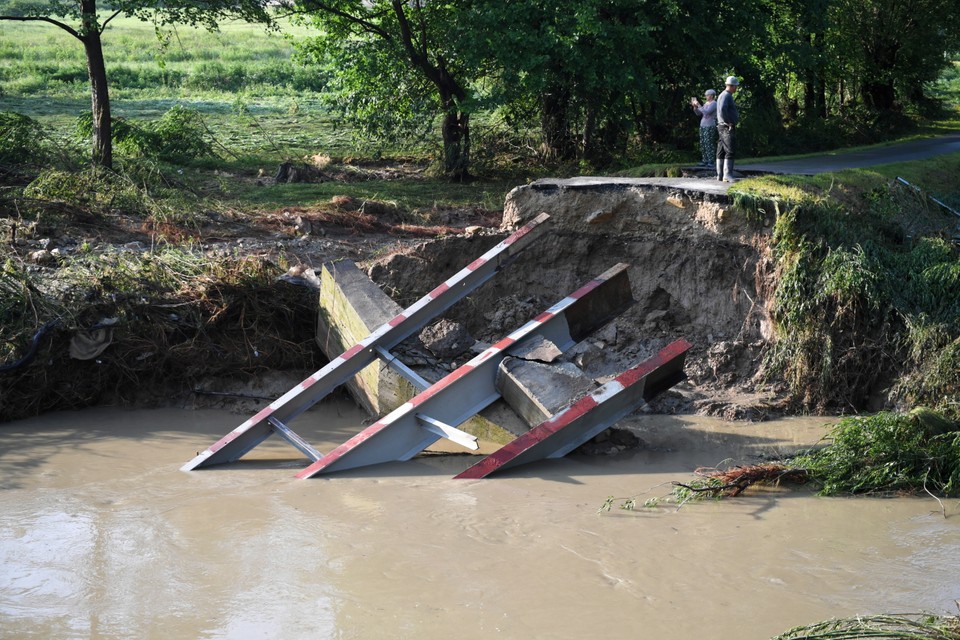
x: 698, y: 271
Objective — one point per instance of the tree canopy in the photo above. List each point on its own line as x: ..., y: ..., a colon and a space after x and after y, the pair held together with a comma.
x: 593, y: 78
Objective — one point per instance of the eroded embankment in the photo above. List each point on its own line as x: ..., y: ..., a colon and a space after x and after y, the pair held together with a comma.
x: 698, y: 270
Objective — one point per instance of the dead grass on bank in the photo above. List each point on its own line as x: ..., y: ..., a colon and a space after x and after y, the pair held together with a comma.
x: 884, y: 627
x: 178, y: 319
x: 191, y: 282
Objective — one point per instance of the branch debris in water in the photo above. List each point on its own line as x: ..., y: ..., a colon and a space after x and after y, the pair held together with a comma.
x: 891, y: 627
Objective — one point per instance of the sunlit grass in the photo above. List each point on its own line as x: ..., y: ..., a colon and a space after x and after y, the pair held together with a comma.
x: 407, y: 194
x: 38, y: 59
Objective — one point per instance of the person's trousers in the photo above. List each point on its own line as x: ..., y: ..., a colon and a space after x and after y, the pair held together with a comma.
x: 728, y: 140
x: 708, y: 144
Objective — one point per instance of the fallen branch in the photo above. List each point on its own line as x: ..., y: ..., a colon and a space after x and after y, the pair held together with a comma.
x: 735, y: 480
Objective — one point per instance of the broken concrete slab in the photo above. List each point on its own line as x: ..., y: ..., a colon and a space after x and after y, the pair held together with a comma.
x: 602, y: 206
x: 591, y: 414
x: 351, y: 307
x: 537, y: 391
x: 539, y: 349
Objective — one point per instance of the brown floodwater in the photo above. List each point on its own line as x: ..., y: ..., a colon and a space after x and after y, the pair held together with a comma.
x: 102, y: 536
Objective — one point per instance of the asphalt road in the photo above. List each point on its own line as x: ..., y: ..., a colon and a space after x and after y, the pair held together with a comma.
x: 904, y: 152
x: 708, y: 184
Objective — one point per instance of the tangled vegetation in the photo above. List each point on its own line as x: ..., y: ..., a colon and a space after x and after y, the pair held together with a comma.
x: 866, y: 296
x: 177, y: 317
x: 884, y: 453
x: 179, y: 135
x: 887, y: 452
x: 889, y: 627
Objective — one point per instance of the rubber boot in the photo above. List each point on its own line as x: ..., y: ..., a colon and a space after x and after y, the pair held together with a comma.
x: 728, y: 170
x: 719, y: 169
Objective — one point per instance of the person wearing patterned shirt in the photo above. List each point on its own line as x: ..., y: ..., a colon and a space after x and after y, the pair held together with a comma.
x: 708, y: 126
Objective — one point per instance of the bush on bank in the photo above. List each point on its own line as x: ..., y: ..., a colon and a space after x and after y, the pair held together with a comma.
x: 865, y: 297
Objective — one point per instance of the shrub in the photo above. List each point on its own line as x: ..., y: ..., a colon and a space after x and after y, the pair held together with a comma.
x: 178, y: 136
x: 93, y: 191
x: 888, y: 452
x: 22, y: 140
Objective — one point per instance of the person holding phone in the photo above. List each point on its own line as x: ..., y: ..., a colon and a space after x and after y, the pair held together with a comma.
x: 708, y: 126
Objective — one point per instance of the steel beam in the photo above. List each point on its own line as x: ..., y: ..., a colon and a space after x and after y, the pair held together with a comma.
x: 472, y: 387
x: 251, y: 433
x: 584, y: 419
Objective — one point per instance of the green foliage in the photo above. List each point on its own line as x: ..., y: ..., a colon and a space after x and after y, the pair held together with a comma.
x: 86, y: 17
x: 22, y: 140
x: 398, y: 73
x: 701, y: 488
x: 577, y: 71
x: 888, y: 452
x: 94, y: 192
x: 180, y: 135
x: 858, y: 306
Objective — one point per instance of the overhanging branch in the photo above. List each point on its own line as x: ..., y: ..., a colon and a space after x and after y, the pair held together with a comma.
x: 107, y: 21
x: 365, y: 24
x: 56, y: 23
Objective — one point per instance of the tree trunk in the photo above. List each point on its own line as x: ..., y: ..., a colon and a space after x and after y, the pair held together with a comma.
x: 818, y: 46
x: 878, y: 92
x: 456, y: 123
x: 879, y: 95
x: 100, y: 95
x: 456, y: 141
x: 558, y: 142
x: 822, y: 95
x: 809, y: 84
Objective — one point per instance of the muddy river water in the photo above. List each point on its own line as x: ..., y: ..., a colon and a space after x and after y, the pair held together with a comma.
x: 102, y: 536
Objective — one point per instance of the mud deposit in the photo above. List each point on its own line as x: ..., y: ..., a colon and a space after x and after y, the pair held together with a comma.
x: 101, y: 536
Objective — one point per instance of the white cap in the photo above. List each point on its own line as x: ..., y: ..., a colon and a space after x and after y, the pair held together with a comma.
x: 732, y: 81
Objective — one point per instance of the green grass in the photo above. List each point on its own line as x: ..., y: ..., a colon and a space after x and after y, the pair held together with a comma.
x: 407, y: 194
x: 937, y: 176
x: 254, y: 97
x: 40, y: 59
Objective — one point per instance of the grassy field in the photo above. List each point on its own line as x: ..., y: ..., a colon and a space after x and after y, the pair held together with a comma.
x: 243, y: 80
x: 240, y: 59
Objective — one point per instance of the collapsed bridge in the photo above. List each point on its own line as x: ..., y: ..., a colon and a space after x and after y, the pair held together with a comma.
x: 559, y: 422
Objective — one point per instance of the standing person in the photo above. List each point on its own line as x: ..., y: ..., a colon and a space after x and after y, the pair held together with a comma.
x: 727, y: 118
x: 708, y: 126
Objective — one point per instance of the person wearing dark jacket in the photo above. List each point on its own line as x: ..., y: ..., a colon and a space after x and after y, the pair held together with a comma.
x: 727, y: 118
